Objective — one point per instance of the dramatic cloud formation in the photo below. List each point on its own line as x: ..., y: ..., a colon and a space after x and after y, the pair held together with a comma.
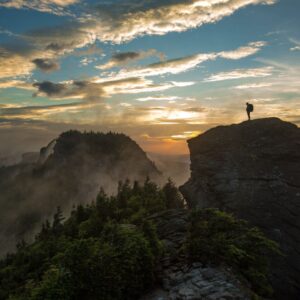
x: 119, y: 23
x: 173, y: 66
x: 241, y: 73
x: 116, y: 83
x: 179, y: 65
x: 123, y: 58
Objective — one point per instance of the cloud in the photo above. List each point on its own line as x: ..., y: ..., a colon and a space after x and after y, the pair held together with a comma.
x: 240, y: 73
x: 41, y: 48
x: 6, y: 84
x: 253, y: 86
x: 117, y: 23
x: 120, y: 23
x: 86, y: 61
x: 183, y: 64
x: 50, y: 6
x: 173, y: 66
x: 123, y: 58
x: 63, y: 39
x: 242, y: 52
x: 96, y: 90
x: 296, y: 44
x: 21, y: 58
x: 46, y: 65
x: 15, y: 63
x: 39, y: 112
x: 170, y: 115
x: 160, y: 98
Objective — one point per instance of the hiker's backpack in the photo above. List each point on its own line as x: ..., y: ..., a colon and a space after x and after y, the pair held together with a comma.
x: 250, y: 107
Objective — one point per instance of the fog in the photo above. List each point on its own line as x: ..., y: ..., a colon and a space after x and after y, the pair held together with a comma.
x: 73, y: 174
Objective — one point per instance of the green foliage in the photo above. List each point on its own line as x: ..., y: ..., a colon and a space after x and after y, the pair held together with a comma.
x: 219, y: 238
x: 109, y: 249
x: 173, y: 198
x: 105, y: 250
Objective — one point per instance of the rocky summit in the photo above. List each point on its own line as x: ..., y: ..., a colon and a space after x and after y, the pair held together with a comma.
x: 252, y: 169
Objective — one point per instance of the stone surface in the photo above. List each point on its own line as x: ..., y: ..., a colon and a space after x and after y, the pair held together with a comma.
x: 180, y: 281
x: 253, y: 170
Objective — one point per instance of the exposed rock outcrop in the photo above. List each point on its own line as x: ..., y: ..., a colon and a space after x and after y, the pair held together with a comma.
x: 180, y: 280
x: 253, y: 170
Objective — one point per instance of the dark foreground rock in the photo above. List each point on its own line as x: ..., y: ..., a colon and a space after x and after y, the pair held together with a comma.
x: 253, y: 170
x: 182, y: 281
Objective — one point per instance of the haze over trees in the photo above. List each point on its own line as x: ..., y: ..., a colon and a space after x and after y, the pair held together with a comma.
x: 109, y: 249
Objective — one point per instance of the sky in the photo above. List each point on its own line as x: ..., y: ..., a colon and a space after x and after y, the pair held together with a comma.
x: 161, y: 71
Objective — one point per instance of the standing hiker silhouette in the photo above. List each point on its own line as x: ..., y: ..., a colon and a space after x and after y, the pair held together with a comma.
x: 249, y: 109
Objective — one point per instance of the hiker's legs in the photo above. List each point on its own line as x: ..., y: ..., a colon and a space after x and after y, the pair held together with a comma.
x: 248, y: 113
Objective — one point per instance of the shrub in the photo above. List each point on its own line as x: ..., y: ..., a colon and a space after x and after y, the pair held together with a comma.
x: 219, y: 238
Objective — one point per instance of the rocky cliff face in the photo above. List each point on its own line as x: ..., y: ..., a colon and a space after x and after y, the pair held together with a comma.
x: 69, y: 171
x: 180, y: 280
x: 253, y: 170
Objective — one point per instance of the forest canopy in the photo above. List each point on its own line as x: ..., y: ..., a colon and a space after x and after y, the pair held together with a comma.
x: 110, y: 249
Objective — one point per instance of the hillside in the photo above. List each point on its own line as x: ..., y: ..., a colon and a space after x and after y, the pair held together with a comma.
x: 69, y: 170
x: 252, y: 169
x: 139, y: 244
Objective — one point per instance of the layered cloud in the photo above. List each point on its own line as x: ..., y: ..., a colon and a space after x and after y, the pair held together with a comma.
x: 50, y: 6
x: 123, y: 58
x: 164, y: 98
x: 5, y: 84
x: 15, y: 63
x: 21, y: 60
x: 253, y: 86
x: 240, y: 73
x: 95, y: 89
x: 242, y: 52
x: 119, y: 23
x: 183, y: 64
x: 39, y: 112
x: 123, y: 21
